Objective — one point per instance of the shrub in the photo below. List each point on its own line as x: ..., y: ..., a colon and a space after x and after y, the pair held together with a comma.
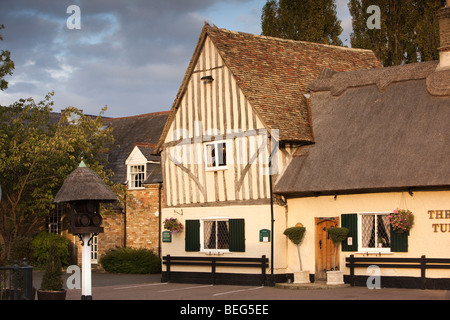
x: 338, y: 235
x: 42, y: 243
x: 131, y: 260
x: 52, y: 278
x: 295, y: 234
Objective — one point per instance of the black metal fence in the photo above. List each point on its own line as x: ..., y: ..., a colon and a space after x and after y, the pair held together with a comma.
x: 16, y: 282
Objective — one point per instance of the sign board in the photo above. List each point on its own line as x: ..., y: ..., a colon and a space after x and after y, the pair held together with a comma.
x: 166, y: 236
x: 264, y: 235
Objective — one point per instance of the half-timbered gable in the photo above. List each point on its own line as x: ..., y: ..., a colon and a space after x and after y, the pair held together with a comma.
x: 243, y: 94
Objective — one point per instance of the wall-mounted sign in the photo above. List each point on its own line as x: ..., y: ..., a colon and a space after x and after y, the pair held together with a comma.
x: 440, y: 215
x: 264, y: 235
x: 166, y: 236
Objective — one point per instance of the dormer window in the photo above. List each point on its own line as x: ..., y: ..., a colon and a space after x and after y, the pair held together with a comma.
x: 136, y: 176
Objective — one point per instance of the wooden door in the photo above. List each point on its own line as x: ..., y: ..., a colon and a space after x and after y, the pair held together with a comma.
x: 324, y: 247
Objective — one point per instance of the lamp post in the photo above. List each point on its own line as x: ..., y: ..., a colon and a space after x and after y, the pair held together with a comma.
x: 84, y: 190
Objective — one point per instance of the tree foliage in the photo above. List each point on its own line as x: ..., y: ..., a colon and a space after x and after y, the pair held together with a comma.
x: 304, y: 20
x: 38, y: 150
x: 409, y: 30
x: 6, y: 65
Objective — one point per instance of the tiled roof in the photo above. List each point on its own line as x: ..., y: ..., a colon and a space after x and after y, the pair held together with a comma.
x: 274, y: 74
x: 142, y: 131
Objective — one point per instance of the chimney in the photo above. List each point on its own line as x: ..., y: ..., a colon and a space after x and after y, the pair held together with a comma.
x: 444, y: 27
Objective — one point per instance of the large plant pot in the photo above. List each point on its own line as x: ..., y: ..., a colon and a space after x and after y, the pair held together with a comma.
x: 301, y: 277
x: 51, y: 295
x: 335, y: 277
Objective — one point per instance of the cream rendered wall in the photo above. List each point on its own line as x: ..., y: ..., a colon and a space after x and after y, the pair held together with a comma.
x: 256, y: 218
x: 424, y: 239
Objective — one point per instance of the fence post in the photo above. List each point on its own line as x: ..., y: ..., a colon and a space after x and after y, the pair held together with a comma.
x: 213, y: 270
x: 167, y: 258
x: 27, y: 280
x: 263, y: 270
x: 423, y: 267
x: 352, y: 270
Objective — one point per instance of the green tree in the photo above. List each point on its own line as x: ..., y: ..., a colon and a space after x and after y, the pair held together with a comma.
x: 37, y: 152
x: 409, y: 30
x: 6, y: 65
x: 304, y: 20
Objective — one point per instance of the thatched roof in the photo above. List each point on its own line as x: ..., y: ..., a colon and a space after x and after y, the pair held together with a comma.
x: 375, y: 130
x: 274, y: 74
x: 84, y: 184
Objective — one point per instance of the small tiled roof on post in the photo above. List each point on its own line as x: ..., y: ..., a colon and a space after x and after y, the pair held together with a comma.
x: 275, y: 73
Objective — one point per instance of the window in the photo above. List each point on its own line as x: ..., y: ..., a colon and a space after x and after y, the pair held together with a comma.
x: 375, y: 232
x: 217, y: 235
x: 137, y: 176
x: 54, y: 220
x: 370, y: 232
x: 216, y: 155
x: 94, y: 250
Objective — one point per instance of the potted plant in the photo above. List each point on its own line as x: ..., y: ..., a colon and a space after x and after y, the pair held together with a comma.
x: 401, y: 221
x: 296, y: 235
x: 52, y: 282
x: 337, y: 235
x: 173, y: 225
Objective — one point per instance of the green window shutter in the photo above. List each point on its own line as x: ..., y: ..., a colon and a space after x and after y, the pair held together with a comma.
x: 350, y: 221
x: 237, y: 235
x: 399, y: 241
x: 192, y: 241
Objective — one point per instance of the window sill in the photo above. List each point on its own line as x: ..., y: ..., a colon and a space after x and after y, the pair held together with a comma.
x: 214, y: 252
x: 216, y: 169
x: 378, y: 253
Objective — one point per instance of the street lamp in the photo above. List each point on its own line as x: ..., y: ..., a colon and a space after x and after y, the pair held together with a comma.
x: 84, y: 190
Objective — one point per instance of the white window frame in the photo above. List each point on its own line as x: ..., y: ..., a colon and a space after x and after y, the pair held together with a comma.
x: 94, y: 250
x: 376, y: 249
x: 217, y: 166
x: 202, y: 235
x: 133, y: 174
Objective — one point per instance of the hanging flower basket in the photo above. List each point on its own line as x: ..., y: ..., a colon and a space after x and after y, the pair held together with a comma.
x: 173, y: 225
x: 401, y: 221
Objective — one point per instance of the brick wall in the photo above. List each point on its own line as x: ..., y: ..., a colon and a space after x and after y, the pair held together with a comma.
x: 142, y: 223
x: 143, y: 218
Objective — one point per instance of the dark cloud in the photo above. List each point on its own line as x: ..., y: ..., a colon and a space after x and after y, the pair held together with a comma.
x: 129, y: 55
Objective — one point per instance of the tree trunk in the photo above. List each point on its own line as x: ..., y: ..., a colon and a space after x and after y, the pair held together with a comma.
x: 299, y: 257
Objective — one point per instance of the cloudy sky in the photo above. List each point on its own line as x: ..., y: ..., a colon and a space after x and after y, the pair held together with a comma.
x: 129, y: 55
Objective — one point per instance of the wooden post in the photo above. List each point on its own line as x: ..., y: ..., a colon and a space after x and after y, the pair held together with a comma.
x: 352, y: 270
x: 86, y: 281
x: 423, y: 267
x: 213, y: 270
x: 263, y: 270
x: 168, y: 267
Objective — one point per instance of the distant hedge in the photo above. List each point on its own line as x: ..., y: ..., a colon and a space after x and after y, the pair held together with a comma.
x: 131, y: 260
